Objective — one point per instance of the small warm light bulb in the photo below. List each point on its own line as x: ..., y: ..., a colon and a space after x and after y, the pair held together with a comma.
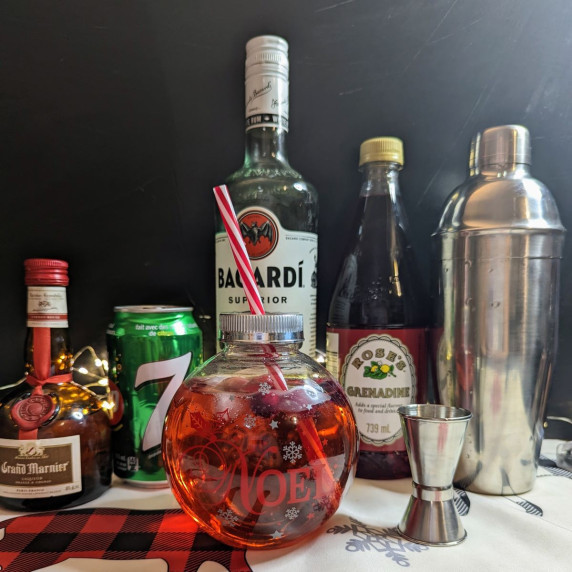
x: 82, y: 370
x: 98, y: 362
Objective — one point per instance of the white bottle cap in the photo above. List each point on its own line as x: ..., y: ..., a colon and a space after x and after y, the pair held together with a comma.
x: 266, y: 83
x: 267, y: 54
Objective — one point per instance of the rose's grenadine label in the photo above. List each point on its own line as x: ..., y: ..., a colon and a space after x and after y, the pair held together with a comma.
x: 379, y: 371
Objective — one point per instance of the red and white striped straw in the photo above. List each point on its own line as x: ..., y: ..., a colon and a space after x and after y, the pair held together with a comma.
x: 238, y: 249
x: 308, y: 432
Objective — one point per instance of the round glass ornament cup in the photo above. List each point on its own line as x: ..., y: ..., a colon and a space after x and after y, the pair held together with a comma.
x: 260, y: 441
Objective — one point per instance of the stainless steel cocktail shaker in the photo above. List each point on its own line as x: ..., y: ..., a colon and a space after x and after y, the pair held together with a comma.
x: 500, y: 243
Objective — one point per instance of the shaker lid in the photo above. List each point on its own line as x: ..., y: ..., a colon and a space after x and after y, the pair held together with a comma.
x: 247, y: 327
x: 504, y: 145
x: 514, y: 201
x: 381, y: 149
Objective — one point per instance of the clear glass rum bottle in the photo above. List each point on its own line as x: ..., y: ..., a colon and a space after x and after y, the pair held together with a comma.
x: 276, y: 208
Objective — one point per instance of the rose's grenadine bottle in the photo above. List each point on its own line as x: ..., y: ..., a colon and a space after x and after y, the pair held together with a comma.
x: 260, y: 441
x: 376, y: 336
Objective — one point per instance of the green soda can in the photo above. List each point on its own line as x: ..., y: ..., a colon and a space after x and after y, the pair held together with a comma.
x: 151, y: 350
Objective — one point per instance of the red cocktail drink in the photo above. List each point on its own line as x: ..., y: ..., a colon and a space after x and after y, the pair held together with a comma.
x: 239, y: 461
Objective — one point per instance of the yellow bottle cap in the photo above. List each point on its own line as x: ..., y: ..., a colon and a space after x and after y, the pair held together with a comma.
x: 381, y: 149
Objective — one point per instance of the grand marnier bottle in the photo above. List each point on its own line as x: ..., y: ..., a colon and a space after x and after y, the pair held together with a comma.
x: 54, y: 434
x: 376, y: 335
x: 276, y: 208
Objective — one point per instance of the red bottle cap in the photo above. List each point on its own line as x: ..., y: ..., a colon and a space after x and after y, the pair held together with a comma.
x: 46, y: 272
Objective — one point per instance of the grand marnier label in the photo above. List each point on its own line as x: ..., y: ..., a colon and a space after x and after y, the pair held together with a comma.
x: 377, y: 371
x: 40, y: 468
x: 47, y: 307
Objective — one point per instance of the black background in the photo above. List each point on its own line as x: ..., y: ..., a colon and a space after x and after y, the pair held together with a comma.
x: 119, y: 117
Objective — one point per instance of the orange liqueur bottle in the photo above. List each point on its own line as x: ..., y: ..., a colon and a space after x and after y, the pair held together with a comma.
x: 376, y: 337
x: 54, y: 434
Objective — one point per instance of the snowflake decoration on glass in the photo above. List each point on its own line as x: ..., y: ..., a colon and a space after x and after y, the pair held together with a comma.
x: 310, y: 393
x: 292, y: 451
x: 292, y: 513
x: 384, y: 540
x: 264, y: 388
x: 249, y: 421
x: 227, y: 517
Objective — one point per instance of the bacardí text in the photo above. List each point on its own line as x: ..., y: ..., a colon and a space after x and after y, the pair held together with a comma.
x: 274, y: 277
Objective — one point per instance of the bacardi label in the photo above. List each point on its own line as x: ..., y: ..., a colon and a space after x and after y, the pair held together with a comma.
x: 284, y: 264
x: 378, y: 372
x: 266, y: 101
x: 40, y: 468
x: 47, y: 307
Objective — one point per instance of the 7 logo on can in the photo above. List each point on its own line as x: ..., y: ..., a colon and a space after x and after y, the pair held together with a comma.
x: 157, y: 372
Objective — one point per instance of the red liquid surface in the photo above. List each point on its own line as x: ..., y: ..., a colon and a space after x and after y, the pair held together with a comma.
x: 242, y: 463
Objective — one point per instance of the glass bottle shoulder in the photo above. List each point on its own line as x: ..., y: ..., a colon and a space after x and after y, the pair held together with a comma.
x: 269, y: 169
x: 378, y: 284
x: 279, y: 189
x: 75, y: 409
x: 238, y: 369
x: 276, y: 179
x: 267, y: 384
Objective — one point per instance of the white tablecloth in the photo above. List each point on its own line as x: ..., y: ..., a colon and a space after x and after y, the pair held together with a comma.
x: 527, y: 532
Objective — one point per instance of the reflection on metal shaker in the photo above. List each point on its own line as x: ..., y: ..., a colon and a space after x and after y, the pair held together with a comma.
x: 500, y: 243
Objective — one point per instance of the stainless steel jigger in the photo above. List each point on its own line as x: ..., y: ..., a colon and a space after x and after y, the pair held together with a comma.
x: 434, y: 437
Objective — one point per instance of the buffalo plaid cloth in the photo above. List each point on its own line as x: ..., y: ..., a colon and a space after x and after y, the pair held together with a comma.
x: 39, y: 540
